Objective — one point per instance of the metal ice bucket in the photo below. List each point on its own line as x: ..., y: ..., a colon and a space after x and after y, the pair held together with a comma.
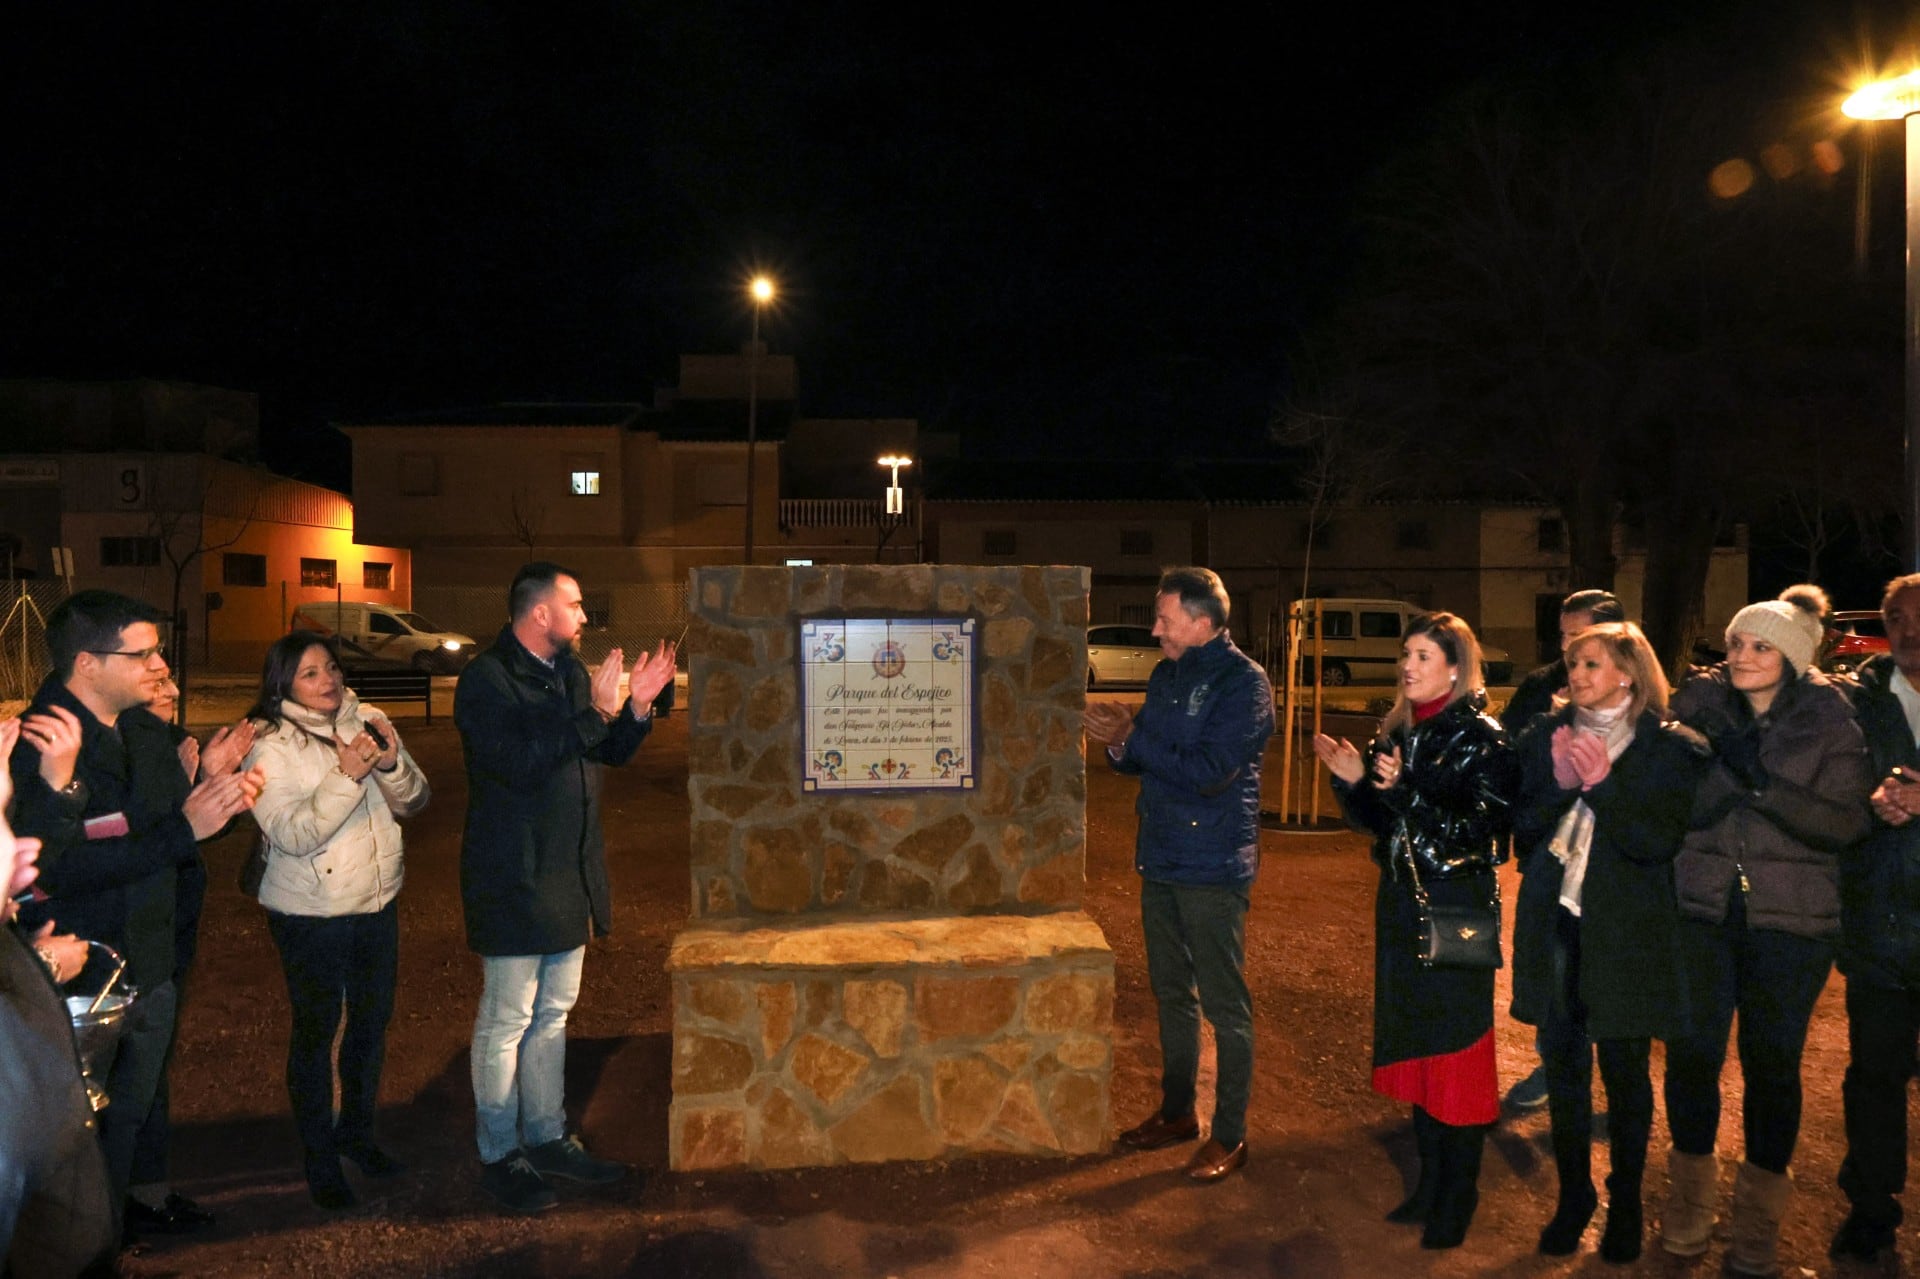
x: 98, y: 1021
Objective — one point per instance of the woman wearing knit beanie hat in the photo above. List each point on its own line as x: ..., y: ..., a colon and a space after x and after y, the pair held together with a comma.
x: 1758, y: 885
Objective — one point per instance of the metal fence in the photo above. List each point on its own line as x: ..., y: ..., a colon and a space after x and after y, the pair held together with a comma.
x: 627, y: 617
x: 24, y: 606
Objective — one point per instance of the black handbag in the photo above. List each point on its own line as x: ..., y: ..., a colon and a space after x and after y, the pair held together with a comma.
x: 254, y: 869
x: 1455, y: 936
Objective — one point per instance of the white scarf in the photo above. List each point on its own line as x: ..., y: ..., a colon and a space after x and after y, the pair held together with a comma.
x: 1573, y: 839
x: 343, y: 725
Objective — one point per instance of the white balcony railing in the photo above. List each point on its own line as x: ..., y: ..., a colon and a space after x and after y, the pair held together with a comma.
x: 838, y: 512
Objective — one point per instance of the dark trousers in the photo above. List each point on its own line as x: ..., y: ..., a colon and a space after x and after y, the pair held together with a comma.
x: 330, y: 961
x: 1625, y: 1072
x: 1772, y: 979
x: 139, y: 1067
x: 1883, y: 1033
x: 1196, y: 942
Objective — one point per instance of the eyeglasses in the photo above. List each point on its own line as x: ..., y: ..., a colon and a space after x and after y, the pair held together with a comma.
x: 141, y: 655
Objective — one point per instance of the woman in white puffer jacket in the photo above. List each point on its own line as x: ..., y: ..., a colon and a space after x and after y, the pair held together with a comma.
x: 337, y: 777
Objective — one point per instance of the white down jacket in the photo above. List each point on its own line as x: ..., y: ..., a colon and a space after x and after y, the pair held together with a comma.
x: 333, y: 844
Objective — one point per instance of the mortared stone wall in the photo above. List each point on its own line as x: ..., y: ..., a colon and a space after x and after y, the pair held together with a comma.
x: 892, y: 975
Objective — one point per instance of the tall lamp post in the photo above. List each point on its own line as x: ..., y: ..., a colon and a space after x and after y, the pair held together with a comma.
x: 761, y: 290
x: 1899, y: 99
x: 896, y: 512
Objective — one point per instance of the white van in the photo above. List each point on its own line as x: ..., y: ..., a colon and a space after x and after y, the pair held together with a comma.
x: 389, y: 632
x: 1362, y: 641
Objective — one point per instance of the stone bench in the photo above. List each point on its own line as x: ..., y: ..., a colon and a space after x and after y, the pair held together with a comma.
x: 863, y: 1040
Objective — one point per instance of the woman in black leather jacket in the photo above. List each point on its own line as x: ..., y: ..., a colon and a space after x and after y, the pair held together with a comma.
x: 1433, y: 789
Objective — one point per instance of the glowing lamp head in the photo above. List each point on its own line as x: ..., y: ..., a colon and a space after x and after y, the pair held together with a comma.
x: 1892, y: 99
x: 761, y: 288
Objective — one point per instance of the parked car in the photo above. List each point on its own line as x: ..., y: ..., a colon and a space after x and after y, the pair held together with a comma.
x: 1853, y: 636
x: 1362, y: 641
x: 390, y: 632
x: 1121, y: 656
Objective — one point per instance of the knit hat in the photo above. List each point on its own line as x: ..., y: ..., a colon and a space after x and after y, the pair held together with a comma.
x: 1790, y: 628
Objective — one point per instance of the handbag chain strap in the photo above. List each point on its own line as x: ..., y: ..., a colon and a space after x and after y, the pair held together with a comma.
x: 1413, y: 870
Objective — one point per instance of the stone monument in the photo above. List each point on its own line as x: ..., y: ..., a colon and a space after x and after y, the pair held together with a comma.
x: 887, y: 959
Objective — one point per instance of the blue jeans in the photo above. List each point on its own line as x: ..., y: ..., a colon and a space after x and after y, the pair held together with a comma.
x: 1196, y: 942
x: 520, y: 1049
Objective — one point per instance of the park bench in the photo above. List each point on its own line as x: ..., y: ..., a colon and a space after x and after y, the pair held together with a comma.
x: 384, y: 688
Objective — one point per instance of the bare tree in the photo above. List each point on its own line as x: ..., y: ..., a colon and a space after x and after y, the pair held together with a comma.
x: 523, y: 518
x: 181, y: 531
x: 1554, y: 303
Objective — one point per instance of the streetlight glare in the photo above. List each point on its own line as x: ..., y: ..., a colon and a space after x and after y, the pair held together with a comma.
x: 761, y: 288
x: 1894, y: 98
x: 891, y: 460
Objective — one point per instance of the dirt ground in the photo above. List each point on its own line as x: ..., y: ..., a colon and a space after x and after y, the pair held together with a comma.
x: 1328, y: 1156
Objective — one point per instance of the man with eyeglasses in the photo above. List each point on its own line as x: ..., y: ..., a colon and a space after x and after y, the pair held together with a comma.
x: 99, y: 782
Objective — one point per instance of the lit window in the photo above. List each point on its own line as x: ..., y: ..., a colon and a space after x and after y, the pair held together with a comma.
x: 586, y: 483
x: 316, y: 572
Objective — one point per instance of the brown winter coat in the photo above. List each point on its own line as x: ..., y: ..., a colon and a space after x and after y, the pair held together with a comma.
x: 1782, y: 841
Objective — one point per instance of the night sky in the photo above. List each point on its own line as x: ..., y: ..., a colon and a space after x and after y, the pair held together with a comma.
x: 1073, y: 230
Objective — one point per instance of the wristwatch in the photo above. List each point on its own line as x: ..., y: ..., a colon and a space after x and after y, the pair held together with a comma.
x: 74, y: 792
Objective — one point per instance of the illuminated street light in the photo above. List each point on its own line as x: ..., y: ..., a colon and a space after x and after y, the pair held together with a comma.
x: 896, y: 512
x: 760, y: 288
x: 1898, y: 98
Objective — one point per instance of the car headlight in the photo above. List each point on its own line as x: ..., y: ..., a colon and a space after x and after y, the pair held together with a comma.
x: 452, y: 646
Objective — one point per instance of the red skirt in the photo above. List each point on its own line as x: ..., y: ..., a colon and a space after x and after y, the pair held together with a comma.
x: 1457, y: 1088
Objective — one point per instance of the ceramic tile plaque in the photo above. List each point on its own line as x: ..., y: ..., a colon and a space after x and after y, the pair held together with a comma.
x: 888, y: 703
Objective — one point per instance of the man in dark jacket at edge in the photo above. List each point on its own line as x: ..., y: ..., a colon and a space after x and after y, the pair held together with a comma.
x: 1880, y: 936
x: 537, y: 726
x: 55, y: 1216
x: 1196, y: 746
x: 1534, y: 696
x: 99, y: 781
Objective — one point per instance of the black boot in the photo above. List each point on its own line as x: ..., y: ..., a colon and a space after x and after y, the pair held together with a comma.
x: 1426, y: 1138
x: 1628, y: 1134
x: 1573, y: 1159
x: 1459, y: 1190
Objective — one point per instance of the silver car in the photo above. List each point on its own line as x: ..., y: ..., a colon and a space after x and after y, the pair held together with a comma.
x: 1121, y: 656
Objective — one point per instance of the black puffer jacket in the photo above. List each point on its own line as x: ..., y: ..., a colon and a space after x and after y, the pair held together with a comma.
x: 1880, y: 876
x: 1457, y: 781
x: 1780, y: 842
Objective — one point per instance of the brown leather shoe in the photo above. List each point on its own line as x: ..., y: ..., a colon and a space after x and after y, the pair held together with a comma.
x: 1213, y: 1161
x: 1158, y: 1132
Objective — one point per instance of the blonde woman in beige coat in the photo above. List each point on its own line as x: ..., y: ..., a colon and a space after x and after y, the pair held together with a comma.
x: 337, y: 778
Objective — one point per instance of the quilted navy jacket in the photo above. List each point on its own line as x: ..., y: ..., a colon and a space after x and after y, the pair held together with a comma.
x: 1196, y: 747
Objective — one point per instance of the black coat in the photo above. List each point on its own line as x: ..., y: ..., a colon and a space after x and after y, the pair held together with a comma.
x: 1457, y: 781
x: 1880, y: 876
x: 122, y: 890
x: 533, y: 870
x: 1534, y: 696
x: 55, y: 1214
x: 1630, y: 973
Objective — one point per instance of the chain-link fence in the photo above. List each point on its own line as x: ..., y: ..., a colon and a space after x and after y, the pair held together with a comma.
x: 23, y: 635
x: 632, y: 617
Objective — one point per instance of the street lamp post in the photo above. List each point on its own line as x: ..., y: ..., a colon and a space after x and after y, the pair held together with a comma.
x: 761, y: 289
x: 896, y: 509
x: 1899, y: 99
